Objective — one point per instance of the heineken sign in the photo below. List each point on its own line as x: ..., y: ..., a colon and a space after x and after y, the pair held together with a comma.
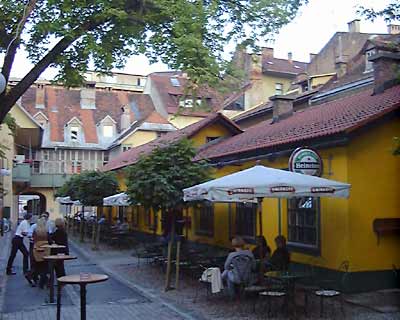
x: 306, y: 161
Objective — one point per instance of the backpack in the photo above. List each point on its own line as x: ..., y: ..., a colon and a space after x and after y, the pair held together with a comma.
x: 241, y: 269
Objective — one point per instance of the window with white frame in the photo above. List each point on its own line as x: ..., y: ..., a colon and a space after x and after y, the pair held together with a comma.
x: 278, y: 88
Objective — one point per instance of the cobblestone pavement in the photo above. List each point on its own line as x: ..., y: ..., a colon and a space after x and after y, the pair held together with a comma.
x: 112, y: 300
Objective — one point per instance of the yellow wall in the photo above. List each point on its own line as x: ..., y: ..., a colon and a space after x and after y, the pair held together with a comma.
x: 214, y: 130
x: 183, y: 121
x: 346, y: 230
x: 22, y: 119
x: 317, y: 81
x: 264, y: 88
x: 139, y: 137
x: 375, y: 177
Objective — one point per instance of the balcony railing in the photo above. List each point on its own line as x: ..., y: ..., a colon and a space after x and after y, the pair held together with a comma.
x: 22, y: 172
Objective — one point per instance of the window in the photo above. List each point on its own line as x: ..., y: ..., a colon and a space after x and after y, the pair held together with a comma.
x: 278, y: 88
x: 76, y: 167
x: 108, y: 131
x: 369, y: 65
x: 140, y: 82
x: 36, y: 167
x: 246, y: 219
x: 204, y: 217
x: 209, y: 139
x: 74, y: 133
x: 126, y: 147
x: 188, y: 102
x: 303, y: 223
x: 135, y: 216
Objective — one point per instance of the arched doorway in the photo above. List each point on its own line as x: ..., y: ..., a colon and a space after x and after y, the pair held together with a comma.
x: 34, y: 202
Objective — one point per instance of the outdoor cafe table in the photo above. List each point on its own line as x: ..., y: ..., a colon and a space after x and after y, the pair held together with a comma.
x: 82, y: 280
x: 52, y: 260
x: 289, y: 278
x: 53, y: 247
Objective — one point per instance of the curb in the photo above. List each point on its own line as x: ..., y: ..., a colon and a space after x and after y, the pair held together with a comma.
x: 145, y: 292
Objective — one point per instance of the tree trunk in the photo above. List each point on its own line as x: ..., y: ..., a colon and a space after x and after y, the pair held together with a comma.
x: 96, y: 228
x: 170, y: 244
x: 177, y: 266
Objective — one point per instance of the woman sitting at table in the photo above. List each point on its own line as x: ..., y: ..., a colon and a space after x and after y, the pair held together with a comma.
x: 60, y: 237
x: 262, y: 250
x: 280, y: 259
x: 239, y: 266
x: 40, y: 238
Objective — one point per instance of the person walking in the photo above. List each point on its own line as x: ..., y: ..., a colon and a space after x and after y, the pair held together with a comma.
x: 18, y: 244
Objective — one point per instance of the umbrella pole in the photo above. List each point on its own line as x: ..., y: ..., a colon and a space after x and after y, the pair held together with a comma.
x: 259, y: 208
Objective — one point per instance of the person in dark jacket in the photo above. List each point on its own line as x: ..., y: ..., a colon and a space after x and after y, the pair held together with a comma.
x: 280, y: 259
x: 59, y: 236
x: 261, y: 248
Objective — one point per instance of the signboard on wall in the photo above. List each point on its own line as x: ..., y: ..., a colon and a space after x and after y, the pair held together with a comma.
x: 306, y: 161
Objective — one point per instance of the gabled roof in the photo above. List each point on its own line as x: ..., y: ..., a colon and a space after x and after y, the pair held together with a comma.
x: 342, y: 115
x: 62, y: 104
x: 172, y: 85
x: 131, y: 156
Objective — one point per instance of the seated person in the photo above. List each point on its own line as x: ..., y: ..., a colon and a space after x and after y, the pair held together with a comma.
x: 280, y: 259
x: 124, y: 226
x: 116, y: 224
x: 261, y: 248
x: 238, y: 266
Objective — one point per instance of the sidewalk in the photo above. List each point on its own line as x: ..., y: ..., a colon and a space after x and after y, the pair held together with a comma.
x: 147, y: 307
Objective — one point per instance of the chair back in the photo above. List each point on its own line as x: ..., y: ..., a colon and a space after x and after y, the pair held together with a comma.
x: 242, y: 269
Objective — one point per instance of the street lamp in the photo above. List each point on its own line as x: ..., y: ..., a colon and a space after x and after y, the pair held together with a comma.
x: 2, y: 83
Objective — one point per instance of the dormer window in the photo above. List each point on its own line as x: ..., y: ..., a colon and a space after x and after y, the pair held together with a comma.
x: 107, y: 128
x: 188, y: 103
x: 369, y: 66
x: 73, y: 131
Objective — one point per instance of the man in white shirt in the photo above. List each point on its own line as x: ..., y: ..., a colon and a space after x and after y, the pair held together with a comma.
x: 18, y: 244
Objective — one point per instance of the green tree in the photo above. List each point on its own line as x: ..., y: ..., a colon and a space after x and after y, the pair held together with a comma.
x: 9, y: 121
x: 156, y: 181
x: 390, y: 13
x: 185, y: 34
x: 90, y: 187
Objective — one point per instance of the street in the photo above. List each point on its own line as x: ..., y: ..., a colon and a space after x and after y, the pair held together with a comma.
x: 113, y: 299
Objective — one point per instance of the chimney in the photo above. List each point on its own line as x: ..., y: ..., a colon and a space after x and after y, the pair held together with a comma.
x: 340, y: 68
x: 267, y: 52
x: 39, y: 101
x: 312, y: 56
x: 290, y: 57
x: 354, y: 26
x: 125, y: 117
x: 393, y: 29
x: 88, y: 96
x: 282, y: 107
x: 386, y: 70
x: 256, y: 66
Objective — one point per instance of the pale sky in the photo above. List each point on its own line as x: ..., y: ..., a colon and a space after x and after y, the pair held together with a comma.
x: 307, y: 33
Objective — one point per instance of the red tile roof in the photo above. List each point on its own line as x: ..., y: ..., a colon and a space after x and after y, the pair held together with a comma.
x: 155, y: 117
x: 169, y: 94
x: 62, y: 104
x: 271, y: 64
x: 131, y: 156
x: 339, y: 116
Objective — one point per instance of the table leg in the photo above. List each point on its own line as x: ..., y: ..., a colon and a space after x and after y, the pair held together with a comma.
x: 59, y: 287
x: 83, y: 301
x: 51, y: 284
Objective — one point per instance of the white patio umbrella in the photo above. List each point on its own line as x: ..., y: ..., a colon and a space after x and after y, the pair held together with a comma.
x: 263, y: 182
x: 260, y: 182
x: 119, y: 199
x: 64, y: 200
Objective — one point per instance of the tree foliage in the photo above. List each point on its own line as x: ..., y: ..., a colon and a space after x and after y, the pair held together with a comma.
x: 10, y: 122
x: 156, y: 181
x: 187, y: 35
x: 390, y: 13
x: 90, y: 187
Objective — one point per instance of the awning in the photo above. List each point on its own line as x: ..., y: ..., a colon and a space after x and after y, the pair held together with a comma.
x: 120, y: 199
x: 264, y: 182
x: 68, y: 201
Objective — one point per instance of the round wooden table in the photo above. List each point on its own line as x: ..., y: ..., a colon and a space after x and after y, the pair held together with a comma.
x: 82, y: 280
x: 52, y: 259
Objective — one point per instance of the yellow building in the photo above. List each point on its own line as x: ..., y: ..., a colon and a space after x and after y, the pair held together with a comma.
x: 354, y: 134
